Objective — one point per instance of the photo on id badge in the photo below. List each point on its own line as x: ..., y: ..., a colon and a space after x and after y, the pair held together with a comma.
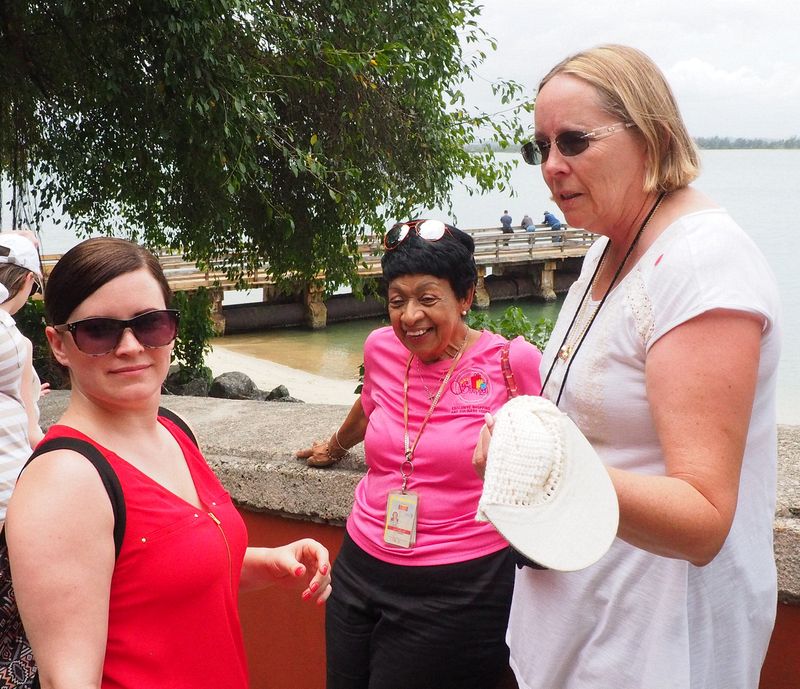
x: 401, y: 518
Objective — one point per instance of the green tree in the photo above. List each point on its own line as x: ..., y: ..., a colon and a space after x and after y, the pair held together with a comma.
x: 266, y: 131
x: 194, y: 335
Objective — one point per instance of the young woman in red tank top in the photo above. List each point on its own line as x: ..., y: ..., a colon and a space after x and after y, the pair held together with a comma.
x: 163, y: 613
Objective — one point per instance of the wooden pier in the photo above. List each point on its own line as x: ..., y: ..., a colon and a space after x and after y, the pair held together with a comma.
x: 535, y: 256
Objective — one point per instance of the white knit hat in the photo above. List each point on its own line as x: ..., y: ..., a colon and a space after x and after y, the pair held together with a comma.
x: 545, y: 489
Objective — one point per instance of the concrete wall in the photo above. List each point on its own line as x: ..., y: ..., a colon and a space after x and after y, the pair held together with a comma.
x: 251, y: 447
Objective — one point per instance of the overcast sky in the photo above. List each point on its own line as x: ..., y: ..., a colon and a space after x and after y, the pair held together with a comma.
x: 734, y: 65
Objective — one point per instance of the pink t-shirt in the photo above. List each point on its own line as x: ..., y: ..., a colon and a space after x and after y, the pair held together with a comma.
x: 443, y: 476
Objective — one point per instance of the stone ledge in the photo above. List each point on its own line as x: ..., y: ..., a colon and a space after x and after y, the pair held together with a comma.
x: 787, y: 558
x: 251, y: 447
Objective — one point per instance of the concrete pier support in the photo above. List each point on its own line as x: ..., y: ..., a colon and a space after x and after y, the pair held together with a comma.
x: 314, y: 302
x: 269, y: 293
x: 481, y: 300
x: 547, y: 281
x: 217, y: 315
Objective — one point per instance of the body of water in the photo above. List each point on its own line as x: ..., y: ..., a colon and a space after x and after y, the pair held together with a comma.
x: 760, y: 188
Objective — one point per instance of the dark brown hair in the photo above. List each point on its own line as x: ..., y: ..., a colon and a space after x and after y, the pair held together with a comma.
x: 88, y: 266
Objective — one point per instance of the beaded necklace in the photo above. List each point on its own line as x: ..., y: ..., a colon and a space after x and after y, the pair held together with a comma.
x: 567, y: 352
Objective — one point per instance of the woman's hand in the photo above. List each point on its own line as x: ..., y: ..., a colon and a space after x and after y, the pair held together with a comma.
x: 481, y: 452
x: 304, y: 563
x: 322, y: 453
x: 351, y: 432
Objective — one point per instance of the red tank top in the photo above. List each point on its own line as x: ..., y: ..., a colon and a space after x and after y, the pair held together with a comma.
x: 173, y: 620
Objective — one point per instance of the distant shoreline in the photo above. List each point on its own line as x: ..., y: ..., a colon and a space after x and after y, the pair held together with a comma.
x: 705, y: 143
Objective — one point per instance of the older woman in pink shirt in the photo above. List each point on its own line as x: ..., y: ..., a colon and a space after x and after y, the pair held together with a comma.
x: 421, y: 590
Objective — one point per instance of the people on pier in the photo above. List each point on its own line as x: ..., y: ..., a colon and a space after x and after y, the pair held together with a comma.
x: 555, y: 225
x: 162, y: 611
x: 665, y: 355
x: 420, y: 589
x: 20, y: 276
x: 527, y: 223
x: 505, y: 223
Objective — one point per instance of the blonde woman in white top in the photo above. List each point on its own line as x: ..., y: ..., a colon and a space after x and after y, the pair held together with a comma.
x: 665, y: 356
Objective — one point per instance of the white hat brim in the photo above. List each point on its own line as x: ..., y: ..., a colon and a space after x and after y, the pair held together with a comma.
x: 576, y: 526
x: 23, y: 252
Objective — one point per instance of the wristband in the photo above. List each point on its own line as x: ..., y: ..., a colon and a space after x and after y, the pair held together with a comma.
x: 338, y: 442
x: 335, y: 458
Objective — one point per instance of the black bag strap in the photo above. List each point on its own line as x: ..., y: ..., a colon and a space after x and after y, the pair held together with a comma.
x: 107, y: 475
x: 178, y: 421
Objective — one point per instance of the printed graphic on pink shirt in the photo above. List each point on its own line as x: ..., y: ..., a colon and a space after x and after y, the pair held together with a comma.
x: 472, y: 387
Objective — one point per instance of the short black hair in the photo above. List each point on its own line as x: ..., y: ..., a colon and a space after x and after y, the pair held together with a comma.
x: 451, y: 258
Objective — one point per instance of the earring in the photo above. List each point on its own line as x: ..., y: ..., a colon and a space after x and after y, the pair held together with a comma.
x: 464, y: 313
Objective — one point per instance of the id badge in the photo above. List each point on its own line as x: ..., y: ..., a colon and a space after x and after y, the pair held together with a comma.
x: 401, y: 518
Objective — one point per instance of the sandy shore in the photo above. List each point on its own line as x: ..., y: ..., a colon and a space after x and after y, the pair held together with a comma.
x: 268, y: 375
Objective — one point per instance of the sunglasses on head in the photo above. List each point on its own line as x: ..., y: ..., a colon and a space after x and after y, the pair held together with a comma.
x: 429, y: 230
x: 569, y: 143
x: 98, y: 336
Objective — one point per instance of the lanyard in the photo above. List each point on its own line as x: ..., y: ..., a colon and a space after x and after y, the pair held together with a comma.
x: 573, y: 350
x: 407, y: 466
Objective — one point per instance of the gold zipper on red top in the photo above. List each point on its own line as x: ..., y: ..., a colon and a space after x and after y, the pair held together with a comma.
x: 227, y: 548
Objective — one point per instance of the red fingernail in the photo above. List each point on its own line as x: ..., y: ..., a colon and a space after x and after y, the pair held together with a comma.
x: 306, y: 595
x: 299, y: 571
x: 324, y: 569
x: 314, y: 586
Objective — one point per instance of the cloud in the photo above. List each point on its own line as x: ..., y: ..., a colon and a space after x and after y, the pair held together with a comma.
x: 734, y: 64
x: 742, y: 101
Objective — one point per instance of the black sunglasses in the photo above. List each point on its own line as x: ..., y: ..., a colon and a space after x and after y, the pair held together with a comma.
x: 429, y: 230
x: 98, y: 336
x: 569, y: 143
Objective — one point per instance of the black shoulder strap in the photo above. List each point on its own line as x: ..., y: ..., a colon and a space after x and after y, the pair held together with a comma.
x: 107, y: 475
x: 178, y: 421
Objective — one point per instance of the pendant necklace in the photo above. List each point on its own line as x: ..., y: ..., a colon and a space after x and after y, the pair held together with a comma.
x: 421, y: 377
x: 569, y: 346
x: 566, y: 351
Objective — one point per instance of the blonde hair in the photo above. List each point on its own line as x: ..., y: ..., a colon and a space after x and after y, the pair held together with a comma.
x: 633, y: 89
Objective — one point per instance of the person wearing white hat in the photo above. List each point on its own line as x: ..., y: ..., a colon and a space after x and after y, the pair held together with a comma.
x: 20, y: 275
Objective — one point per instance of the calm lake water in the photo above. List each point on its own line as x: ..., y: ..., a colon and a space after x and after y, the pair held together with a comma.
x: 761, y: 190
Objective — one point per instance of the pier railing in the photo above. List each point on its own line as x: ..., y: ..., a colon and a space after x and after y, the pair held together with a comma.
x: 492, y: 247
